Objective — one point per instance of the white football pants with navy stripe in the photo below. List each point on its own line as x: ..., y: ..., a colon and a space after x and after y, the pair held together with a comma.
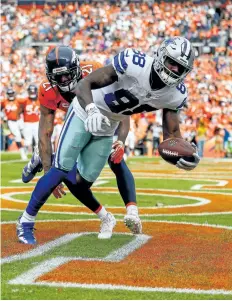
x: 74, y: 142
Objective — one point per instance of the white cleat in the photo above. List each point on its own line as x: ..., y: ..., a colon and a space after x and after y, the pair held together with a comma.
x: 107, y: 226
x: 133, y: 223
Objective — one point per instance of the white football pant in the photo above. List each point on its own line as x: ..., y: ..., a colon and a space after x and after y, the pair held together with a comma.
x: 30, y: 131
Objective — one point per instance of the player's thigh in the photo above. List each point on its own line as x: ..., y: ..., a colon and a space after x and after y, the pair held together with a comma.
x: 94, y: 156
x: 14, y: 128
x: 28, y: 133
x: 72, y: 140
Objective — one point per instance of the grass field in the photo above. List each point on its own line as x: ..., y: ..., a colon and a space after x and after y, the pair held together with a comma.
x: 184, y: 251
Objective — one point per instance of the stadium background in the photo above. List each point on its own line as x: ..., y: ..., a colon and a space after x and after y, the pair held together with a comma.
x: 187, y: 215
x: 100, y: 29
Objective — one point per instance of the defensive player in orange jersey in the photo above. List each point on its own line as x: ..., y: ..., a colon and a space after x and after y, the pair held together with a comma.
x: 30, y: 109
x: 63, y: 71
x: 10, y: 106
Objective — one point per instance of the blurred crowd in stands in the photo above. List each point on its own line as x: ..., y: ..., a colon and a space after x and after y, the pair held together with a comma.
x: 99, y: 30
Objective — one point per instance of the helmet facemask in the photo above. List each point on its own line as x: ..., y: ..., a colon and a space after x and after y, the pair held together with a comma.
x: 66, y: 79
x: 165, y: 72
x: 171, y: 63
x: 10, y: 95
x: 32, y: 93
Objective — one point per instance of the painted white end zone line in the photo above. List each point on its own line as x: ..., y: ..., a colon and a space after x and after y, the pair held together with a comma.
x: 133, y: 288
x: 29, y: 277
x: 115, y: 256
x: 200, y: 186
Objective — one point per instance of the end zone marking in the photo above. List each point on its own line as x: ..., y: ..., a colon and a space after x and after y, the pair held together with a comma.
x: 115, y: 256
x: 129, y: 288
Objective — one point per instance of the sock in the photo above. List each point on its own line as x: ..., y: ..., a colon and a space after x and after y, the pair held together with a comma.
x: 125, y: 181
x: 23, y: 153
x: 101, y: 212
x: 44, y: 188
x: 27, y: 218
x: 81, y: 190
x: 132, y: 208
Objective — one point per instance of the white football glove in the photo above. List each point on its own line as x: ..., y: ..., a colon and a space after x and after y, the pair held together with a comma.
x: 95, y: 118
x: 186, y: 165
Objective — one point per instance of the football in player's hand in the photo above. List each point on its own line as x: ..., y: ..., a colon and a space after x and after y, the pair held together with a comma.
x: 172, y: 149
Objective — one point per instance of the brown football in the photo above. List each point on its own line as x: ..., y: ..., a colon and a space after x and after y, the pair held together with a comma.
x: 172, y: 149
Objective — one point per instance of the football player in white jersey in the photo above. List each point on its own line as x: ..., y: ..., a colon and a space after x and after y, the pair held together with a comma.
x: 133, y: 83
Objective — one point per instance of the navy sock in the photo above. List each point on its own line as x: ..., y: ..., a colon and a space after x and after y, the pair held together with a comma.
x: 81, y: 190
x: 125, y: 181
x: 44, y: 188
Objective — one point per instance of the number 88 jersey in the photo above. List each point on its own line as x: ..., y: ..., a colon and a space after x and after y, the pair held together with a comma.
x: 132, y: 92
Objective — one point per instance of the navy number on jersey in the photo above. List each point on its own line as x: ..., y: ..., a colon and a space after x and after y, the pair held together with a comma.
x: 181, y: 87
x: 123, y: 101
x: 139, y: 58
x: 121, y: 60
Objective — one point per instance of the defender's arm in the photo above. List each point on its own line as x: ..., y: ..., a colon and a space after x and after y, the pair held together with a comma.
x: 46, y: 126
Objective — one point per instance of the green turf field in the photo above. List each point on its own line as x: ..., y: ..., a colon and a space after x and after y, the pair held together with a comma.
x: 89, y: 247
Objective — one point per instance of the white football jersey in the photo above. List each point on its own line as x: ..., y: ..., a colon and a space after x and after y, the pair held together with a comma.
x: 132, y: 93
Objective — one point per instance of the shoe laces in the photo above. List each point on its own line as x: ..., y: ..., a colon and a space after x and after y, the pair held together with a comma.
x: 106, y: 223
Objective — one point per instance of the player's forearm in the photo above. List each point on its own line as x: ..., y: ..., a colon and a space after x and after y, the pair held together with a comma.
x: 98, y: 79
x: 84, y: 94
x: 123, y: 129
x: 46, y: 126
x: 171, y: 127
x: 45, y: 151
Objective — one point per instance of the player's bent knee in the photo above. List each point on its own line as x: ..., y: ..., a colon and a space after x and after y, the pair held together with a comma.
x: 81, y: 181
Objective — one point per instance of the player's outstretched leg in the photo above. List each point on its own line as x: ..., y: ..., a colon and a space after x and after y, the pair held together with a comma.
x: 32, y: 167
x: 126, y: 187
x: 43, y: 189
x: 80, y: 188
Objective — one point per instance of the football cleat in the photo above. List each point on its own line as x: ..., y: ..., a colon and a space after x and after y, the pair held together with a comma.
x: 25, y: 232
x: 107, y: 226
x: 133, y: 223
x: 32, y: 167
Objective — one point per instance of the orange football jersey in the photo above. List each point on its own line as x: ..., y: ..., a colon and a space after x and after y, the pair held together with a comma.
x: 10, y: 108
x: 50, y: 97
x: 31, y: 110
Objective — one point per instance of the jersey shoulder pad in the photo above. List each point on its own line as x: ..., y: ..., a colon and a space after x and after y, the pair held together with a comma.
x: 129, y: 62
x: 48, y: 95
x: 88, y: 67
